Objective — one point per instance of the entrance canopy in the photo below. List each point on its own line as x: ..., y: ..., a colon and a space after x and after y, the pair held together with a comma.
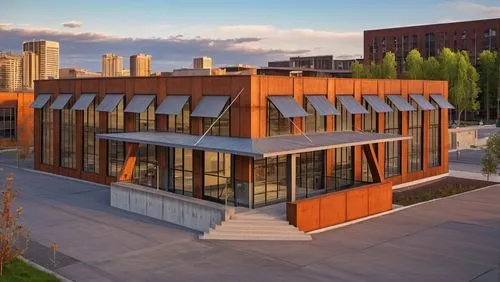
x: 255, y: 147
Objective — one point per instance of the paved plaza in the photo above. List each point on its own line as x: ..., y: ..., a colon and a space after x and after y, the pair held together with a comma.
x: 454, y: 239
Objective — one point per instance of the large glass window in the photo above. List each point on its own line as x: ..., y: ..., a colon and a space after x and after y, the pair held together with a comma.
x: 392, y: 152
x: 68, y: 138
x: 430, y: 45
x: 310, y: 174
x: 222, y: 127
x: 415, y: 143
x: 314, y: 121
x: 490, y: 39
x: 116, y: 149
x: 90, y: 142
x: 270, y: 181
x: 181, y: 123
x: 217, y: 180
x: 343, y: 174
x: 8, y: 123
x: 181, y: 170
x: 47, y: 133
x: 146, y: 165
x: 277, y: 124
x: 368, y: 124
x: 435, y: 136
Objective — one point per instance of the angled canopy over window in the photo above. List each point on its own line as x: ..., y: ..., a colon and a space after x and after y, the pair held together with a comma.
x: 377, y: 104
x: 287, y: 106
x: 351, y: 105
x: 40, y: 101
x: 441, y: 101
x: 210, y: 106
x: 61, y: 101
x: 322, y: 105
x: 139, y: 104
x: 109, y: 103
x: 400, y: 103
x: 172, y: 105
x: 422, y: 102
x: 83, y: 103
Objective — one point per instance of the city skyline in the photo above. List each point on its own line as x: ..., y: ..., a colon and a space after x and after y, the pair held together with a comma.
x: 230, y: 33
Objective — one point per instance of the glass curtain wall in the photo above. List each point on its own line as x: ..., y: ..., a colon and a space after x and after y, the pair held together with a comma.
x: 68, y: 138
x: 8, y: 123
x: 145, y: 171
x: 435, y: 136
x: 116, y: 149
x: 218, y: 184
x: 343, y: 174
x: 277, y: 124
x: 415, y: 144
x: 368, y: 124
x: 270, y: 181
x: 392, y: 152
x: 311, y: 166
x: 181, y: 160
x: 90, y: 143
x: 47, y: 133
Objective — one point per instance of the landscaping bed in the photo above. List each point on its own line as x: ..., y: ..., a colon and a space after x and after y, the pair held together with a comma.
x: 19, y: 271
x: 437, y: 189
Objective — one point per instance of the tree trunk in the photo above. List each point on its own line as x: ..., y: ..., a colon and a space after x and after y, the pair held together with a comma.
x: 459, y: 115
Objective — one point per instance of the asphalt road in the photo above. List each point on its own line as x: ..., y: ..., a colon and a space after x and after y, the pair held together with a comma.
x: 453, y: 239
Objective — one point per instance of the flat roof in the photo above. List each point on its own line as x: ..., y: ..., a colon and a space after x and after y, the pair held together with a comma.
x: 255, y: 147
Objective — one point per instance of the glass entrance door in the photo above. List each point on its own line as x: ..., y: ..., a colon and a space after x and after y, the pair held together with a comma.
x: 217, y: 181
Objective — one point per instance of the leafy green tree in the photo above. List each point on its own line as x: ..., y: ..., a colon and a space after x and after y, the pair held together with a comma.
x: 489, y: 163
x: 358, y: 70
x: 414, y: 65
x: 489, y: 80
x: 447, y: 66
x: 464, y: 90
x: 387, y: 68
x: 431, y: 69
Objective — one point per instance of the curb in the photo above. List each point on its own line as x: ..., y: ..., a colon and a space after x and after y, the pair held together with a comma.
x: 41, y: 268
x: 55, y: 175
x: 396, y: 210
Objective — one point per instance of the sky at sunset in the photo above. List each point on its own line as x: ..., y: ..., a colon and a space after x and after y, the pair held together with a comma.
x: 231, y: 32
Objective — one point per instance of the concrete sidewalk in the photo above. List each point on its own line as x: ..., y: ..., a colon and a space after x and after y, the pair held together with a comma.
x: 453, y: 239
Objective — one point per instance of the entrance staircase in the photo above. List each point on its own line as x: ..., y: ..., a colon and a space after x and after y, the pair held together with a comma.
x: 255, y: 226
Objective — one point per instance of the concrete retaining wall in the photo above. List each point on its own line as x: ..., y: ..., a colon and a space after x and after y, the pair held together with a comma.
x: 189, y: 212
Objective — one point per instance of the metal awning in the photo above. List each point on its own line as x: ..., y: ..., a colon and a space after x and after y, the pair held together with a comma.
x: 109, y: 103
x: 61, y: 101
x: 322, y: 105
x: 441, y: 101
x: 351, y: 105
x: 255, y: 147
x: 83, y: 102
x: 287, y: 106
x: 40, y: 101
x: 172, y: 105
x: 210, y: 106
x: 401, y: 103
x: 422, y: 102
x: 139, y: 103
x: 377, y: 104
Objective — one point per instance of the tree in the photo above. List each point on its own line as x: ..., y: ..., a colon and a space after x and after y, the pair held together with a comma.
x: 489, y: 163
x: 414, y: 65
x: 358, y: 70
x: 11, y: 232
x: 488, y: 74
x: 447, y: 66
x: 431, y: 69
x: 387, y: 68
x: 464, y: 90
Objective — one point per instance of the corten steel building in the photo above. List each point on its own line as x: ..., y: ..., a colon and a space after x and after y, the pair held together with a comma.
x: 16, y: 119
x: 259, y: 139
x: 471, y: 36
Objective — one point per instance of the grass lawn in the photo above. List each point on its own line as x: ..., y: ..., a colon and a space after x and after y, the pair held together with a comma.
x: 19, y: 271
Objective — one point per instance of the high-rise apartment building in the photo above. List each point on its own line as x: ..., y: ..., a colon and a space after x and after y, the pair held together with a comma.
x: 31, y: 69
x: 11, y: 76
x: 140, y: 65
x: 48, y: 57
x: 112, y: 65
x: 202, y: 63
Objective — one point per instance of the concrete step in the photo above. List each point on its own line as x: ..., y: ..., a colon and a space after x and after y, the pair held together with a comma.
x: 260, y: 237
x: 256, y: 222
x: 254, y: 231
x: 255, y: 228
x: 257, y: 216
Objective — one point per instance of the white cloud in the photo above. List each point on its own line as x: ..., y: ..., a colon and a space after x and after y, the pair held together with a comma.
x: 473, y: 9
x: 72, y: 24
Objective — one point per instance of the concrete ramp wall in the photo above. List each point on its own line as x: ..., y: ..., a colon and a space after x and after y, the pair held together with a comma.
x: 189, y: 212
